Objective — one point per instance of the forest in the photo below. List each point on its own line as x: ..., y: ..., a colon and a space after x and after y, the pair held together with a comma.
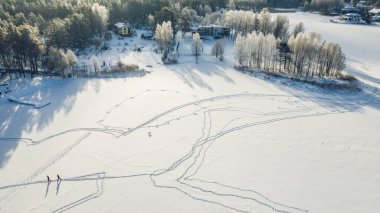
x: 46, y: 35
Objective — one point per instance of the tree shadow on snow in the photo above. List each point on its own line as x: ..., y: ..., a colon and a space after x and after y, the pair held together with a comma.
x: 340, y: 99
x: 352, y: 68
x: 192, y: 74
x: 17, y: 119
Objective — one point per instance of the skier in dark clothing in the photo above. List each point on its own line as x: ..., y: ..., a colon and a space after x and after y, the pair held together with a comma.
x: 48, y: 179
x: 58, y: 178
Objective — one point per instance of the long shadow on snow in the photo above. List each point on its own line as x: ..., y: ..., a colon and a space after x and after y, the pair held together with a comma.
x: 339, y: 99
x: 16, y: 119
x: 191, y: 73
x: 351, y: 69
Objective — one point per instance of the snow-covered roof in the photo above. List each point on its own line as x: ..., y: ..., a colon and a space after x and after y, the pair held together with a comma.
x: 221, y: 10
x: 375, y: 10
x: 148, y: 33
x: 121, y: 24
x: 209, y: 26
x: 349, y: 8
x: 352, y: 15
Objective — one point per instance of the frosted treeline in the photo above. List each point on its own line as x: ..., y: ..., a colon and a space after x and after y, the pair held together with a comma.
x: 268, y: 45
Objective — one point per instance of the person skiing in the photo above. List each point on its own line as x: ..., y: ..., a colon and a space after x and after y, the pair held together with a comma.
x: 58, y: 178
x: 48, y: 179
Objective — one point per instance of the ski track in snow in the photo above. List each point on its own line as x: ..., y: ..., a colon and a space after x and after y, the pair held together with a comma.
x: 11, y: 194
x: 99, y: 180
x: 180, y: 174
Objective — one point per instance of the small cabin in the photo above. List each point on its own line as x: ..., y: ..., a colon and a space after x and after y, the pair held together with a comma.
x: 123, y: 29
x: 147, y: 35
x: 212, y: 30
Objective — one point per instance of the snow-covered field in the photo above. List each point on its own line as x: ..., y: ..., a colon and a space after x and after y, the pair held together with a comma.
x: 196, y: 137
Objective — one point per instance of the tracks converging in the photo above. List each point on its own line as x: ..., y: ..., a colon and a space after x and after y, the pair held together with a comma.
x: 180, y: 175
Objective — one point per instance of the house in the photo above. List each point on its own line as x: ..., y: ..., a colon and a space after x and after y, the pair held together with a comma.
x: 215, y: 31
x: 350, y: 9
x: 353, y: 17
x: 123, y: 29
x: 375, y: 14
x: 361, y: 3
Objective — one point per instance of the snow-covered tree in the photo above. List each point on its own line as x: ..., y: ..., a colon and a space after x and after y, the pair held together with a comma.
x: 187, y: 18
x: 281, y: 27
x: 100, y: 15
x: 164, y: 36
x: 218, y: 49
x: 93, y: 65
x: 60, y: 61
x: 256, y: 23
x: 197, y: 46
x: 203, y: 10
x: 216, y: 18
x: 240, y: 21
x: 72, y: 59
x: 299, y: 28
x: 207, y: 10
x: 314, y: 57
x: 56, y: 61
x: 270, y: 51
x: 325, y: 5
x: 266, y: 25
x: 240, y: 49
x: 176, y: 7
x: 151, y: 22
x: 248, y: 21
x: 232, y: 5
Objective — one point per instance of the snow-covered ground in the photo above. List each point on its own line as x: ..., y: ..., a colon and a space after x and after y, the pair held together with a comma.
x: 196, y: 137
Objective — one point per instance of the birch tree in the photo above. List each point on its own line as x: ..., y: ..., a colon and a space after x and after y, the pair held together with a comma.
x: 164, y: 36
x: 218, y: 49
x: 197, y: 46
x: 299, y: 28
x: 281, y: 27
x: 266, y: 25
x: 240, y: 49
